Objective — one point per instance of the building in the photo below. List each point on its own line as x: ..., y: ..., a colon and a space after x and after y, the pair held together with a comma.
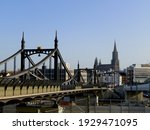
x: 107, y: 73
x: 114, y: 65
x: 123, y: 77
x: 62, y: 74
x: 138, y: 73
x: 83, y: 75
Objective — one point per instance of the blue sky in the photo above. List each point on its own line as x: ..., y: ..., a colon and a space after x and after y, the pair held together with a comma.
x: 86, y: 28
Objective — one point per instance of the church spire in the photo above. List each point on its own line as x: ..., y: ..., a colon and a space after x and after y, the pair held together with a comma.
x: 22, y: 41
x: 115, y: 48
x: 95, y: 63
x: 78, y: 66
x: 100, y: 62
x: 115, y: 59
x: 78, y: 72
x: 56, y: 40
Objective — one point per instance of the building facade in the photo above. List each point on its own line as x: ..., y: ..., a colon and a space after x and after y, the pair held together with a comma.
x: 62, y: 74
x: 138, y: 73
x: 114, y: 65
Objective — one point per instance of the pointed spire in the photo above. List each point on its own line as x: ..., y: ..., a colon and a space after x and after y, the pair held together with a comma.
x: 78, y: 72
x: 115, y: 59
x: 78, y: 65
x: 96, y: 63
x: 56, y: 40
x: 115, y: 48
x: 22, y: 41
x: 100, y: 62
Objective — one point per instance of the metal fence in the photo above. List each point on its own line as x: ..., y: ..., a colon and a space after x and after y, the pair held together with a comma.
x: 87, y: 105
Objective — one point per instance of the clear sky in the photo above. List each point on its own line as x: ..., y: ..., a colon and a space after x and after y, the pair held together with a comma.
x: 86, y: 28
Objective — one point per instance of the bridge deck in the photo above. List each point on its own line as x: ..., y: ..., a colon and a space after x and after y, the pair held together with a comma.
x: 55, y: 91
x: 141, y: 87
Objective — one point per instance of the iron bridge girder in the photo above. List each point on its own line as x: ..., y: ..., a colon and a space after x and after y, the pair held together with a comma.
x: 29, y: 52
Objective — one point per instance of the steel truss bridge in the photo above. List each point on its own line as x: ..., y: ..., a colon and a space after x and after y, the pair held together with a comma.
x: 27, y: 82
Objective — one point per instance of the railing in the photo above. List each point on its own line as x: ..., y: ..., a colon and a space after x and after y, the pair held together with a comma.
x: 105, y: 106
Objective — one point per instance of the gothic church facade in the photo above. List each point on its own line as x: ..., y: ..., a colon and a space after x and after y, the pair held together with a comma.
x: 113, y: 66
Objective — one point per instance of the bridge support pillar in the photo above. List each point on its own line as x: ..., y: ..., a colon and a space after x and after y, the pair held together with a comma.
x: 38, y: 111
x: 100, y: 94
x: 96, y: 94
x: 97, y: 100
x: 88, y: 103
x: 60, y: 109
x: 55, y: 104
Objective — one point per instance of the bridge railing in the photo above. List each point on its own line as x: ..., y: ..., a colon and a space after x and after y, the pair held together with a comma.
x: 83, y: 105
x: 16, y: 87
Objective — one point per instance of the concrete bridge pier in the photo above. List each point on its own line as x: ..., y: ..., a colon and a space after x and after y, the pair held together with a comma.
x: 60, y: 109
x: 96, y: 96
x: 88, y: 98
x: 101, y: 94
x: 97, y: 100
x: 55, y: 104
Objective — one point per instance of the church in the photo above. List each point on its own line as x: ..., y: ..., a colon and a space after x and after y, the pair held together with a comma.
x: 113, y: 66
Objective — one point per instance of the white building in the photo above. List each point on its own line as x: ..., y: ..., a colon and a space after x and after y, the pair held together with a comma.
x: 84, y: 75
x: 110, y: 78
x: 138, y: 73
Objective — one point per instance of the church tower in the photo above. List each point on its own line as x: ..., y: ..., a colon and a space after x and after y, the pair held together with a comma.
x: 22, y: 53
x: 96, y: 63
x: 115, y: 60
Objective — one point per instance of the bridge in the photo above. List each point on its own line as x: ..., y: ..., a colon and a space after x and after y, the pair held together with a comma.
x: 138, y: 87
x: 26, y: 81
x: 17, y: 91
x: 135, y: 92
